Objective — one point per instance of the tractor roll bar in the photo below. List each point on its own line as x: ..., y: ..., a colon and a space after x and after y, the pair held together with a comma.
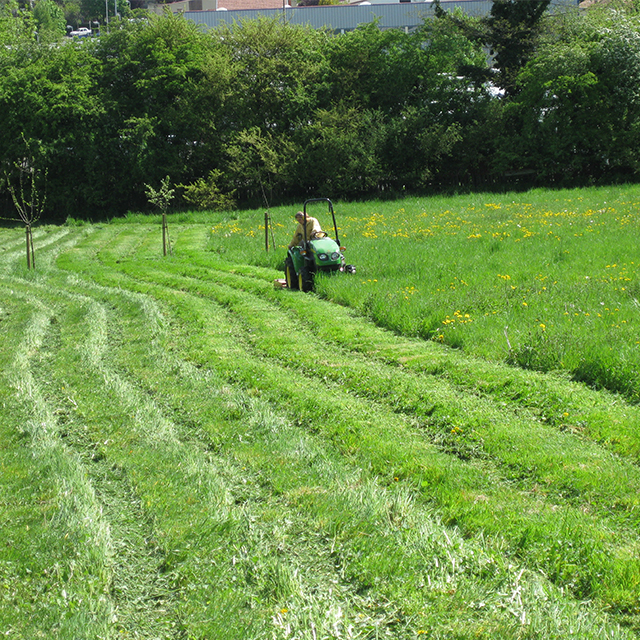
x: 333, y: 217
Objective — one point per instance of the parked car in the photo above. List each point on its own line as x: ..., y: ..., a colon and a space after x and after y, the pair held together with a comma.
x: 82, y: 32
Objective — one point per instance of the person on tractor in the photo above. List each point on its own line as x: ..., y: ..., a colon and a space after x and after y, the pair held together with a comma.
x: 313, y: 230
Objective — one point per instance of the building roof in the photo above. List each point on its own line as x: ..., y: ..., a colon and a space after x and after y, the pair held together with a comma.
x: 338, y: 18
x: 238, y: 5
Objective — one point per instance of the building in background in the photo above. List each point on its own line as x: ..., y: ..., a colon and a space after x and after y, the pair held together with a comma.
x: 390, y: 14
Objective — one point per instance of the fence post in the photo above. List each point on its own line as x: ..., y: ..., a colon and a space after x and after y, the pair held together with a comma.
x: 164, y: 233
x: 266, y: 231
x: 33, y: 253
x: 27, y: 230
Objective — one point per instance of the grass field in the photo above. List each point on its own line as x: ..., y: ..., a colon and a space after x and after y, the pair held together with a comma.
x: 443, y: 445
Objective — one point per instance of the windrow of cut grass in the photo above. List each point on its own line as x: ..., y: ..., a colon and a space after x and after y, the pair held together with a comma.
x: 56, y: 543
x: 182, y: 284
x: 253, y: 463
x: 84, y: 340
x: 548, y: 464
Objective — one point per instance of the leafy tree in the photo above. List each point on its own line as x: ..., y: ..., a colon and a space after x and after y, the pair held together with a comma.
x: 340, y: 152
x: 448, y: 46
x: 279, y: 79
x: 446, y: 135
x: 510, y: 33
x: 577, y: 116
x: 27, y: 186
x: 280, y: 73
x: 205, y: 194
x: 50, y: 98
x: 73, y: 12
x: 416, y: 148
x: 50, y: 19
x: 258, y: 164
x: 17, y: 27
x: 389, y: 69
x: 98, y: 9
x: 512, y: 30
x: 144, y: 71
x: 164, y: 85
x: 371, y: 68
x: 161, y: 198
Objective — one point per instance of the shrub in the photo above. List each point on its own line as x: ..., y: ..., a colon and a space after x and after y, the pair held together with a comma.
x: 206, y: 194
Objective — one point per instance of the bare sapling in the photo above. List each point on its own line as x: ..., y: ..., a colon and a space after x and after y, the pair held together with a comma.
x: 162, y: 199
x: 29, y: 199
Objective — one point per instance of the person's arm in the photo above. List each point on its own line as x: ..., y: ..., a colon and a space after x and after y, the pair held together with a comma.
x: 297, y: 235
x: 312, y: 227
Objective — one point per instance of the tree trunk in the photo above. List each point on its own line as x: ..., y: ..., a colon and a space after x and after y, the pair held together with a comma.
x: 164, y: 233
x: 31, y: 262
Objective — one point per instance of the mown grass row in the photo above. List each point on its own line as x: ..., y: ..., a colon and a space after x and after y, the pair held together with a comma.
x: 403, y: 454
x: 255, y: 376
x: 56, y: 542
x: 248, y: 494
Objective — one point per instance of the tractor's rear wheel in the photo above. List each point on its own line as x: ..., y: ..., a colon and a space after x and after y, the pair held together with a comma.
x: 305, y: 279
x: 290, y: 275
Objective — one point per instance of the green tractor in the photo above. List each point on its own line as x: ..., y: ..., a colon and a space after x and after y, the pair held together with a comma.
x: 318, y: 254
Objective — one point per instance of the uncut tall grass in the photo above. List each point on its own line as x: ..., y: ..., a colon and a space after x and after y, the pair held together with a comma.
x: 546, y: 280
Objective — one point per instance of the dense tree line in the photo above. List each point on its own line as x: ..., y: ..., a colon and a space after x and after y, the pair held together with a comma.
x: 269, y: 112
